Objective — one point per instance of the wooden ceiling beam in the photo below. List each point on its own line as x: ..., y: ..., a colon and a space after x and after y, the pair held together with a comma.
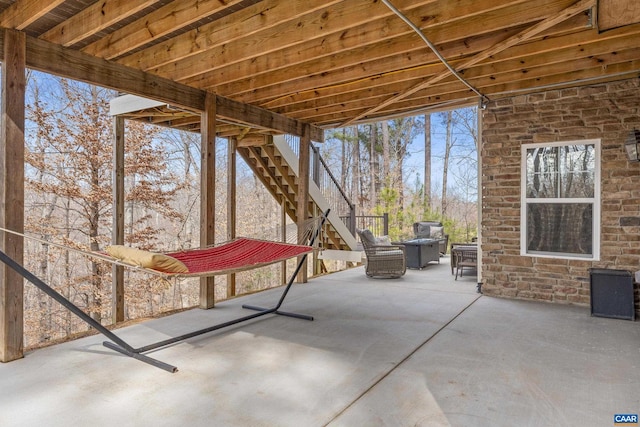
x: 358, y: 40
x: 332, y: 120
x: 288, y: 32
x: 256, y: 116
x: 535, y: 79
x: 65, y: 62
x: 588, y: 37
x: 22, y: 13
x: 255, y: 18
x: 614, y: 71
x: 612, y: 49
x: 578, y: 7
x: 619, y: 47
x: 350, y: 64
x: 348, y: 78
x: 443, y: 92
x: 560, y: 75
x: 94, y: 19
x: 156, y: 24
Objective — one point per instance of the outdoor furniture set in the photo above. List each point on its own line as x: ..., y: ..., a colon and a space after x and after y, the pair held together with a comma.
x: 391, y: 259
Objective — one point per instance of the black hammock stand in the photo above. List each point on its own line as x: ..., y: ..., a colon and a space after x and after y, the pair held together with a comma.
x: 118, y: 344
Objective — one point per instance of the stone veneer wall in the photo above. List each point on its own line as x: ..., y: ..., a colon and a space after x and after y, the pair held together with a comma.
x: 608, y: 111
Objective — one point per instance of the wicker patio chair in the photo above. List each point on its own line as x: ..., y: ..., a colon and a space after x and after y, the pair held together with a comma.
x: 432, y: 230
x: 466, y: 256
x: 453, y: 248
x: 383, y: 260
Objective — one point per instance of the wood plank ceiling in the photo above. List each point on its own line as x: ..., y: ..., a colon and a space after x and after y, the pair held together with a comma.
x: 333, y: 63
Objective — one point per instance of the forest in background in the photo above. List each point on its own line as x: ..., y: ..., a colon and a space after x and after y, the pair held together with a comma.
x: 68, y: 197
x: 383, y: 166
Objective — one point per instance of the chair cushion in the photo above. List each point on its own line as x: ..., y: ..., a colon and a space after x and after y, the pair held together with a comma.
x: 368, y: 236
x: 383, y: 240
x: 437, y: 232
x: 422, y: 230
x: 393, y: 253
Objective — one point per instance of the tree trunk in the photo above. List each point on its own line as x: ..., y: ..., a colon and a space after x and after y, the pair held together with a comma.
x: 427, y: 163
x: 447, y: 154
x: 356, y: 188
x: 67, y: 267
x: 386, y: 156
x: 344, y: 166
x: 94, y: 222
x: 372, y: 168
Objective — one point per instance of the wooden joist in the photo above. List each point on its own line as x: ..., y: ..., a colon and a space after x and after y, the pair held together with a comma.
x: 326, y: 62
x: 65, y: 62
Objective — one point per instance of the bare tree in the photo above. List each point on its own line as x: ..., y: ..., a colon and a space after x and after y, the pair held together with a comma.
x: 427, y: 162
x: 70, y: 156
x: 448, y: 145
x: 373, y: 165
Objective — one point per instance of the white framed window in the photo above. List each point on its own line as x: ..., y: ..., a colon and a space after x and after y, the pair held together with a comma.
x: 560, y: 210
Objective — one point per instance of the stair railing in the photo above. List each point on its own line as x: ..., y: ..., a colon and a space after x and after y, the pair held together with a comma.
x: 329, y: 186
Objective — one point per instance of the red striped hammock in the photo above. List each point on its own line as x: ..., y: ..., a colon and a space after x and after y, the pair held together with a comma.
x: 233, y: 256
x: 236, y: 255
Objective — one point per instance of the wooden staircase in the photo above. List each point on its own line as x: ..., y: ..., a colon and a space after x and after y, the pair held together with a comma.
x: 281, y: 179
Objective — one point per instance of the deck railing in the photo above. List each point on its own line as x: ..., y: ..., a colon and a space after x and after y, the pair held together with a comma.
x: 378, y: 224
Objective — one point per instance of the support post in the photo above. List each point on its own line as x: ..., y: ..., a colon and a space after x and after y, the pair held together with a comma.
x: 283, y: 230
x: 480, y: 192
x: 302, y: 208
x: 207, y: 192
x: 117, y: 233
x: 231, y: 207
x: 12, y: 193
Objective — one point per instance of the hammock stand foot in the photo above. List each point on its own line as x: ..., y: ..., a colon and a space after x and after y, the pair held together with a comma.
x: 137, y: 353
x: 141, y: 357
x: 281, y: 313
x: 121, y: 346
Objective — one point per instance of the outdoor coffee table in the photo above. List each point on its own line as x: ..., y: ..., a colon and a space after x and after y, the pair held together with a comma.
x: 421, y: 252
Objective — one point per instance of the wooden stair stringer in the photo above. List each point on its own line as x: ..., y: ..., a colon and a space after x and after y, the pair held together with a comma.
x: 281, y: 180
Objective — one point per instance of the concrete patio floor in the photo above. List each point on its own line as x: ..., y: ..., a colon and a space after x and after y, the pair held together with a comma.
x: 423, y: 350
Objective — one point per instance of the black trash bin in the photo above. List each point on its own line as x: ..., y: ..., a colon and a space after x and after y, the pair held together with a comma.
x: 612, y: 293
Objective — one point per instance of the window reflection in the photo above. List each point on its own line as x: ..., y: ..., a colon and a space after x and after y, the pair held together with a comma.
x: 565, y: 171
x: 560, y: 227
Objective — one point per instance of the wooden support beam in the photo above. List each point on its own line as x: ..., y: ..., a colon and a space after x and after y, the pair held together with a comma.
x: 302, y: 198
x: 260, y: 117
x: 12, y: 105
x: 24, y: 12
x: 117, y: 236
x: 231, y: 207
x: 283, y: 230
x: 61, y: 61
x: 251, y: 140
x: 171, y: 17
x: 94, y: 19
x: 66, y: 62
x: 530, y: 32
x: 207, y: 193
